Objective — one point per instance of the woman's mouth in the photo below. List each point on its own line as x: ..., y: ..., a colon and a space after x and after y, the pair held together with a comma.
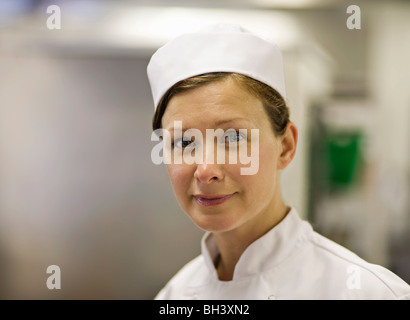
x: 212, y: 200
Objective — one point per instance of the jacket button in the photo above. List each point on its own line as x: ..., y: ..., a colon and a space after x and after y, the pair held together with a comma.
x: 272, y: 297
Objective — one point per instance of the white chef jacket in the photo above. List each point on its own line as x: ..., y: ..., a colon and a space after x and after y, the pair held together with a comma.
x: 291, y: 261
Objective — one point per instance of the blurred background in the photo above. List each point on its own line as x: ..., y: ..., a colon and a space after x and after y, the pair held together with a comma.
x: 78, y: 188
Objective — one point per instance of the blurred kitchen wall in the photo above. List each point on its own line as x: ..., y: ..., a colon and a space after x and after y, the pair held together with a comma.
x: 78, y: 188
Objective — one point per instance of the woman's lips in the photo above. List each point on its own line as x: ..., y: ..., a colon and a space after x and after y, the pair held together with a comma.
x: 212, y: 200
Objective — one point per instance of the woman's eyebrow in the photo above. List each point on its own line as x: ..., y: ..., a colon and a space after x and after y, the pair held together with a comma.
x: 225, y: 121
x: 217, y: 123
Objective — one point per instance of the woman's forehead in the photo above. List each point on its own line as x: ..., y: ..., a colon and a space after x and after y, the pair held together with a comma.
x: 219, y: 102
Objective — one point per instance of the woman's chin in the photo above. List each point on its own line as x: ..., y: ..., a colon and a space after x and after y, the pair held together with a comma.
x: 214, y: 223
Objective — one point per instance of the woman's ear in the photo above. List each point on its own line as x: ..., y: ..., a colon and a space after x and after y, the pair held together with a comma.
x: 288, y: 141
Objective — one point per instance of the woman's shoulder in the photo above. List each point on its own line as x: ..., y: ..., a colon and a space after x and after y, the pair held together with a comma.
x: 192, y: 273
x: 360, y: 277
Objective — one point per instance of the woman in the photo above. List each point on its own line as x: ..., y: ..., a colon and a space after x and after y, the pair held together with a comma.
x: 255, y: 246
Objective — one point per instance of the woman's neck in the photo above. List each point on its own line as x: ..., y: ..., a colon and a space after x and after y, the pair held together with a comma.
x: 233, y: 243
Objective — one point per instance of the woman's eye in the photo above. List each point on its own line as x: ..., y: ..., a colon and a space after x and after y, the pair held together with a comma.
x: 233, y: 136
x: 183, y: 143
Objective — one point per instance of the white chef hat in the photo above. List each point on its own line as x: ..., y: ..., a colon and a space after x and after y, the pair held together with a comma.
x: 218, y: 48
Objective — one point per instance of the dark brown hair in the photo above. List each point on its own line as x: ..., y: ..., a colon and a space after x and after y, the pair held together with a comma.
x: 273, y: 103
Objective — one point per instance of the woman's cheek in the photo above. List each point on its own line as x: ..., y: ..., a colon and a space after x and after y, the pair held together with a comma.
x: 180, y: 176
x: 264, y: 181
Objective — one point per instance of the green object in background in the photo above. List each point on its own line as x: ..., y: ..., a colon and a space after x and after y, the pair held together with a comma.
x: 343, y: 151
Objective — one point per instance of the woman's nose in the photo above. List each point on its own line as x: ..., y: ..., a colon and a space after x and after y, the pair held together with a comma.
x: 209, y: 172
x: 211, y: 168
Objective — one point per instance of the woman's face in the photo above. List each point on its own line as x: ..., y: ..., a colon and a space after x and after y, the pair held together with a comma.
x: 217, y: 197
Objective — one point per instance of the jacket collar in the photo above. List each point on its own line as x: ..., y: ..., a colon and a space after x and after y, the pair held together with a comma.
x: 266, y: 252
